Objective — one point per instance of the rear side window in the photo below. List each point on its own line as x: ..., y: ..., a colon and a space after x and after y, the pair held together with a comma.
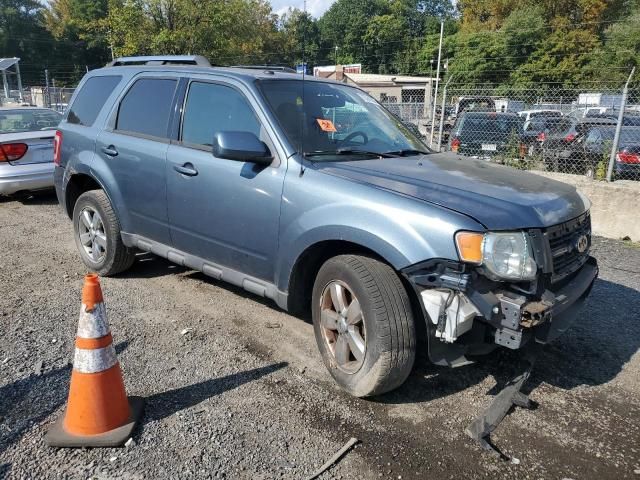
x: 91, y: 98
x: 146, y: 107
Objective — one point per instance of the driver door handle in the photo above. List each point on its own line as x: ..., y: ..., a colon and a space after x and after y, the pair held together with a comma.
x: 186, y: 169
x: 110, y: 151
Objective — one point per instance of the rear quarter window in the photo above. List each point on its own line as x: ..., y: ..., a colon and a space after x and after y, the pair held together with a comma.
x: 146, y: 107
x: 91, y: 98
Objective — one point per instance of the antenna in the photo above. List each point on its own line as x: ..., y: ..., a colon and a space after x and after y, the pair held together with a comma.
x: 304, y: 73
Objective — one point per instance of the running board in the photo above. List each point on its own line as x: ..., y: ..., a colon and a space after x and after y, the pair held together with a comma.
x: 219, y: 272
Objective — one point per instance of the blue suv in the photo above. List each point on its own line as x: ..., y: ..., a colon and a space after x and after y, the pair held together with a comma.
x: 309, y: 193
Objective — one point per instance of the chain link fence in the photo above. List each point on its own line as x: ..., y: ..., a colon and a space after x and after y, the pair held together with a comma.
x: 550, y: 128
x: 56, y: 98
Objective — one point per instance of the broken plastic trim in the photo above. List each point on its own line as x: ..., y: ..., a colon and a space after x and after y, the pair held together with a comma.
x: 481, y: 428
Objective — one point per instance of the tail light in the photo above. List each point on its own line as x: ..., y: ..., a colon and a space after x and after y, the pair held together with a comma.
x: 10, y: 152
x: 455, y: 144
x: 57, y: 147
x: 570, y: 138
x: 628, y: 157
x: 540, y: 137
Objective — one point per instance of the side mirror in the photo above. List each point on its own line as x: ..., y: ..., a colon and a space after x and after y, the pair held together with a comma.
x: 241, y: 146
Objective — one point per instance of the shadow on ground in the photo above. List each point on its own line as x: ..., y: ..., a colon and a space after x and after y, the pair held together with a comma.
x: 45, y: 197
x: 162, y: 405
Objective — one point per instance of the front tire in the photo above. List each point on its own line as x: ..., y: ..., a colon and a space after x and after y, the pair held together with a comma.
x: 363, y: 324
x: 97, y: 235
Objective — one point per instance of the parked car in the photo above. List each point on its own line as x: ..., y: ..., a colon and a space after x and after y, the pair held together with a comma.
x: 537, y: 129
x: 487, y: 134
x: 561, y: 139
x: 592, y: 147
x: 26, y: 149
x: 230, y: 172
x: 527, y: 115
x: 474, y: 104
x: 627, y: 166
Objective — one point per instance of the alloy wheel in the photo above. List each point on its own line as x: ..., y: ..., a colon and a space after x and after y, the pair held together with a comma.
x: 92, y: 235
x: 342, y: 325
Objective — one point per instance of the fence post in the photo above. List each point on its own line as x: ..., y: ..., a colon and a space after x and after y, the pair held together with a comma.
x: 444, y: 99
x: 435, y: 95
x: 46, y: 99
x: 616, y: 138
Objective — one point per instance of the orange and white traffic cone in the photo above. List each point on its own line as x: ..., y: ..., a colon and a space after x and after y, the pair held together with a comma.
x: 98, y: 413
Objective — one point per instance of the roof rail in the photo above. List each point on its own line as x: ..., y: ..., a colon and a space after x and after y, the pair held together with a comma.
x: 161, y: 60
x: 275, y: 68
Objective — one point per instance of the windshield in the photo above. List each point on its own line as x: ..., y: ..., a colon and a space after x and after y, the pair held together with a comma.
x: 28, y: 120
x: 331, y: 120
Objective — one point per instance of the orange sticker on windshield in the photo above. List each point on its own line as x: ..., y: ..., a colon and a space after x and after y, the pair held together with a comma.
x: 326, y: 125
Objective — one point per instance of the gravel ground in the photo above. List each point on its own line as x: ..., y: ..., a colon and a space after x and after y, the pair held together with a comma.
x: 244, y: 394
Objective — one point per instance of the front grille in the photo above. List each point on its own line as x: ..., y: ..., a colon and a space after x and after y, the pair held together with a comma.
x: 564, y: 242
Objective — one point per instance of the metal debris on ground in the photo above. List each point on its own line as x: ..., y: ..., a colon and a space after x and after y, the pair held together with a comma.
x: 185, y: 331
x: 273, y: 324
x: 481, y: 428
x: 334, y: 459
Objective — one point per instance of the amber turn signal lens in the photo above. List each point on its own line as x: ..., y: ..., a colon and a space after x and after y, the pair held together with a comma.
x: 470, y: 246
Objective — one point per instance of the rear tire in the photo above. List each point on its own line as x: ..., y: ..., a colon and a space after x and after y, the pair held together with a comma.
x: 97, y: 235
x: 386, y: 324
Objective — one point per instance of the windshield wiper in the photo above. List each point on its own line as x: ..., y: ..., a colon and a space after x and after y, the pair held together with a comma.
x: 408, y: 152
x: 347, y: 151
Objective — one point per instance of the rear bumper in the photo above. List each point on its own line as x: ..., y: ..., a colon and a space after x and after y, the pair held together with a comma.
x: 17, y: 178
x: 58, y: 182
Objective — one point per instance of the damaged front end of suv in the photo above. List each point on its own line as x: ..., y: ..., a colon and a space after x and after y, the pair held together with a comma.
x: 508, y: 289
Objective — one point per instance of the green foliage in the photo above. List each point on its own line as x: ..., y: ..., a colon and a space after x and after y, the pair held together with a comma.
x: 509, y: 45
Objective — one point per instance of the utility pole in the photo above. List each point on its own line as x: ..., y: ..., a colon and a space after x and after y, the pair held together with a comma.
x: 435, y: 95
x: 616, y: 138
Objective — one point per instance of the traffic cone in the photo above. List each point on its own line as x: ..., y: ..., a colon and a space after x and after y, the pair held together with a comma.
x: 98, y: 413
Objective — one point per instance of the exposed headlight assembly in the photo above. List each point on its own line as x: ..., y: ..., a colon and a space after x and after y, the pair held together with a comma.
x: 506, y: 255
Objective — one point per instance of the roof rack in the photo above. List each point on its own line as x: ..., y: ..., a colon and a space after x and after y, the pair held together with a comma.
x: 275, y: 68
x: 160, y: 60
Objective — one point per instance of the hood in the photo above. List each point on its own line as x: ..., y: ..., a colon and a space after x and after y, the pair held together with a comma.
x: 499, y: 197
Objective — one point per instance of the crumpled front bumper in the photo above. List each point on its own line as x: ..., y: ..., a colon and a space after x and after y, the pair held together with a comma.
x: 505, y: 317
x: 568, y: 302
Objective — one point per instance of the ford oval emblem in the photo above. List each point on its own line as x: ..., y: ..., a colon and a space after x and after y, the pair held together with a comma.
x: 582, y: 244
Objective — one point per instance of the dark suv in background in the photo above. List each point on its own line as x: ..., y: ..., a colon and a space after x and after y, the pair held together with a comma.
x: 310, y: 193
x: 487, y: 134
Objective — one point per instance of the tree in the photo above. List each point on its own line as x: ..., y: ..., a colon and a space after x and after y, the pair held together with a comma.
x: 23, y: 35
x: 299, y: 34
x: 75, y: 24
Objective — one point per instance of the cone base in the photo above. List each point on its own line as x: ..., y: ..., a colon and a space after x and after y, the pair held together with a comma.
x: 57, y: 436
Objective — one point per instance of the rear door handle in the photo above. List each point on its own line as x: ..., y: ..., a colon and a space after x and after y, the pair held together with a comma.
x: 186, y: 169
x: 110, y: 151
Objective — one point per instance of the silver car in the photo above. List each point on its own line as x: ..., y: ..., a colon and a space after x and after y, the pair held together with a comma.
x: 26, y: 148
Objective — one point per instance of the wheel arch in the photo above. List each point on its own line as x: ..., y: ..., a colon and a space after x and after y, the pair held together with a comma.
x: 301, y: 276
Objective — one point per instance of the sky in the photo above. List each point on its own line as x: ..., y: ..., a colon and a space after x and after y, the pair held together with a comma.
x: 314, y: 7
